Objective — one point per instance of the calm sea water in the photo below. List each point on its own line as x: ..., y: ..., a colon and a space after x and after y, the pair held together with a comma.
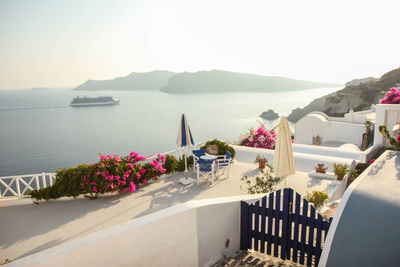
x: 40, y: 132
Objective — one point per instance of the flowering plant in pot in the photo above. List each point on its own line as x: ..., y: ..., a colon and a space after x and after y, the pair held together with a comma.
x: 261, y: 138
x: 262, y: 161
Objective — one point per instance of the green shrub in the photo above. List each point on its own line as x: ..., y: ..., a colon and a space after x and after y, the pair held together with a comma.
x: 171, y: 164
x: 317, y: 197
x: 263, y: 184
x: 360, y: 167
x: 67, y: 184
x: 222, y: 147
x: 352, y: 176
x: 181, y: 163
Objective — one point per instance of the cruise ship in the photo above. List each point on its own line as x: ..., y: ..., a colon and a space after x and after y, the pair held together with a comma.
x: 94, y: 101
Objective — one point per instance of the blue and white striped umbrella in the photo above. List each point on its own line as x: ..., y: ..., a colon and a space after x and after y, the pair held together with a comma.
x: 185, y: 137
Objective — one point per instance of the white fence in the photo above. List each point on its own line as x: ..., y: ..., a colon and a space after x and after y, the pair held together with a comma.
x: 16, y: 186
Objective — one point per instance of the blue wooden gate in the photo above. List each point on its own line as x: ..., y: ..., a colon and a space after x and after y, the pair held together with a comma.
x: 288, y: 228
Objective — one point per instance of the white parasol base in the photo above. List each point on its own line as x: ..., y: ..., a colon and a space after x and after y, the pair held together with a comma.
x: 186, y: 180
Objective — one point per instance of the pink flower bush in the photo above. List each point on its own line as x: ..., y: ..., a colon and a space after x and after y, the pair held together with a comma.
x: 261, y: 138
x: 121, y: 174
x: 392, y: 97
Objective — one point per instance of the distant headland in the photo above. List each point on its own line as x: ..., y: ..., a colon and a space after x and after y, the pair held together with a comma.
x: 214, y: 81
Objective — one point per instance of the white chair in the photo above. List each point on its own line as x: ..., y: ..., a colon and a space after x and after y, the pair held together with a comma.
x: 205, y: 170
x: 224, y: 163
x: 196, y: 156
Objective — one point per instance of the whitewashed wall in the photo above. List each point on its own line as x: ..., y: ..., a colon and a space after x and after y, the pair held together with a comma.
x: 194, y: 233
x: 315, y: 124
x: 386, y: 114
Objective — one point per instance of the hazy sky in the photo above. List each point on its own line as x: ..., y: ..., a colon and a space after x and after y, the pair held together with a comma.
x: 47, y: 43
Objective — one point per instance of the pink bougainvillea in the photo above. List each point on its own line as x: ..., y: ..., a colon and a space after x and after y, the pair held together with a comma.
x: 392, y: 97
x: 121, y: 174
x: 261, y: 138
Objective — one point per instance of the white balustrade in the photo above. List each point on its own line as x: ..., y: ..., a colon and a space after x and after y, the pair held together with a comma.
x: 16, y: 186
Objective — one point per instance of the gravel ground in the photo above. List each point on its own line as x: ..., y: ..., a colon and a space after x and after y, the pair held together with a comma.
x: 245, y: 258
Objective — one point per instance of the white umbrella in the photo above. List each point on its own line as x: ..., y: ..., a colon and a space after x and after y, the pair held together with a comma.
x: 283, y: 156
x: 185, y: 139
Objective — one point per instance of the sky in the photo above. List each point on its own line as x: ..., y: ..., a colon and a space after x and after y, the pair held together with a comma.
x: 55, y: 43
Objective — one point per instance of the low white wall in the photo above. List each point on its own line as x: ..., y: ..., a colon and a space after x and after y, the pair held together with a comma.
x: 189, y: 234
x: 306, y: 157
x: 316, y: 124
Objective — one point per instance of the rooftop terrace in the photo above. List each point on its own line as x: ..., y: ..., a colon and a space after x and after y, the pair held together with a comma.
x: 26, y: 228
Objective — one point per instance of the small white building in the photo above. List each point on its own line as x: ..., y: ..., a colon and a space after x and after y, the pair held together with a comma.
x: 333, y: 131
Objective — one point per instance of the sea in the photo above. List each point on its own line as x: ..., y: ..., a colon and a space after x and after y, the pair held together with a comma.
x: 40, y: 132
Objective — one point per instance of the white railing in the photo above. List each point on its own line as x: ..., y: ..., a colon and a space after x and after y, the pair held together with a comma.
x: 16, y: 186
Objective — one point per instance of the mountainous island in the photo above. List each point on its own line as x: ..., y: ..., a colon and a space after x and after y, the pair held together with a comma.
x: 218, y: 81
x: 147, y: 81
x: 214, y: 81
x: 357, y: 95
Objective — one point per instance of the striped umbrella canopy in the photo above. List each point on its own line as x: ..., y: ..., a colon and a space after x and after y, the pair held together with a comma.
x: 185, y: 137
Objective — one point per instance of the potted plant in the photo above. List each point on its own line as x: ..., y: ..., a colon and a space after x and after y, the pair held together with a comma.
x: 321, y: 168
x: 340, y: 170
x: 317, y: 198
x: 368, y: 127
x: 262, y: 161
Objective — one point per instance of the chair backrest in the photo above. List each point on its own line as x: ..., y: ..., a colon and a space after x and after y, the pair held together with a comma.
x: 200, y: 152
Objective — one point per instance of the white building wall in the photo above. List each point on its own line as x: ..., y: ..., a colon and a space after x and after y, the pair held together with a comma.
x: 316, y: 124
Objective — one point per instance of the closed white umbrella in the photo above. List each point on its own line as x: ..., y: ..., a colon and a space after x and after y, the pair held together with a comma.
x: 185, y: 139
x: 283, y: 156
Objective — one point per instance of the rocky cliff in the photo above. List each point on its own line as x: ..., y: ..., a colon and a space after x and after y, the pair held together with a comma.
x: 357, y: 97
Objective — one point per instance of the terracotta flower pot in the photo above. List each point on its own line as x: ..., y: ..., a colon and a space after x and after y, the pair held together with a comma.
x: 261, y: 165
x: 339, y: 178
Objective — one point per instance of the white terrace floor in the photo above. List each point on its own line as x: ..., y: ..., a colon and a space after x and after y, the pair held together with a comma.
x: 26, y: 228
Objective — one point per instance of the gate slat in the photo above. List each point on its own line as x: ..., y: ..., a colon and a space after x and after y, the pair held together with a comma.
x: 296, y: 227
x: 256, y: 225
x: 270, y: 216
x: 251, y: 211
x: 311, y: 236
x: 285, y: 208
x: 244, y: 225
x: 264, y: 207
x: 319, y: 234
x: 277, y: 222
x: 290, y: 224
x: 303, y: 230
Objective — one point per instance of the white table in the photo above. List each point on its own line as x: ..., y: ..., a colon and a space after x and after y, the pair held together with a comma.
x: 208, y: 157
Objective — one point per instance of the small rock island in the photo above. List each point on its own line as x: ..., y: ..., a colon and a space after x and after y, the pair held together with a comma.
x: 269, y: 115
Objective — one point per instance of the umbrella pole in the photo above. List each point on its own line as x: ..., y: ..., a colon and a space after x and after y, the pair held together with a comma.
x: 186, y: 170
x: 284, y: 177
